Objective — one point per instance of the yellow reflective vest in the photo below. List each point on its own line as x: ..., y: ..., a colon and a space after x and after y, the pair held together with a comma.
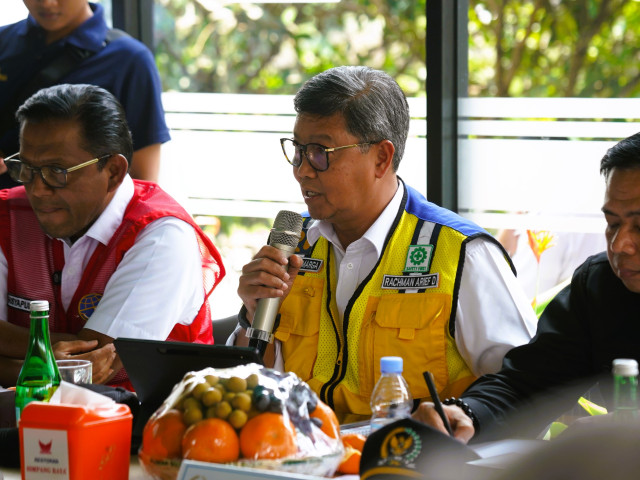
x: 405, y: 307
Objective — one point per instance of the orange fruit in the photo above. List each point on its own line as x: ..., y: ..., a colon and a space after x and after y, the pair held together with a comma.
x: 162, y: 436
x: 268, y: 435
x: 350, y: 461
x: 211, y: 440
x: 355, y: 440
x: 330, y: 424
x: 353, y: 445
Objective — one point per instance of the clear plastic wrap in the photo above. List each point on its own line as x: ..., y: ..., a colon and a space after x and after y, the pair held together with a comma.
x: 248, y: 416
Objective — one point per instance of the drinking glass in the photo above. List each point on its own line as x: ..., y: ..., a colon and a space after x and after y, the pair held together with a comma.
x: 75, y: 371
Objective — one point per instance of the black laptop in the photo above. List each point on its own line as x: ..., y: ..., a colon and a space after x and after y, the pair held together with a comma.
x: 155, y: 366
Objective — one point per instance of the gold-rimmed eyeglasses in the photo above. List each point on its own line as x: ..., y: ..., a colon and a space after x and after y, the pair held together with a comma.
x: 52, y: 176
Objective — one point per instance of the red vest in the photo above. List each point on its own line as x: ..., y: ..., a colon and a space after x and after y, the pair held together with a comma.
x: 36, y: 260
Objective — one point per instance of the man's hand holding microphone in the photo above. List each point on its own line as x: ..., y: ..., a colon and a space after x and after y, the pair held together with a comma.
x: 267, y: 279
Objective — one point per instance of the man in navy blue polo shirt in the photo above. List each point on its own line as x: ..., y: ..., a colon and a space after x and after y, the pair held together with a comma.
x: 121, y: 65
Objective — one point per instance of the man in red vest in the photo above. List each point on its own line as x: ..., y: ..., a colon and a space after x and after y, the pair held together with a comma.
x: 115, y: 257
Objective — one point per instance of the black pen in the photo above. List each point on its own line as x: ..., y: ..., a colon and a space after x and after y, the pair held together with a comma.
x: 436, y: 401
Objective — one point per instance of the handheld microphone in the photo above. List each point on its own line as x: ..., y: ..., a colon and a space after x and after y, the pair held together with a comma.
x: 284, y: 236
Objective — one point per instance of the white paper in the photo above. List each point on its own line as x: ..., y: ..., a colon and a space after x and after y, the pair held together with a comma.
x: 503, y: 453
x: 69, y: 393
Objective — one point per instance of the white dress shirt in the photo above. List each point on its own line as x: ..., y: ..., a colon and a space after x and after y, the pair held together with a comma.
x: 157, y: 284
x: 493, y: 314
x: 557, y: 264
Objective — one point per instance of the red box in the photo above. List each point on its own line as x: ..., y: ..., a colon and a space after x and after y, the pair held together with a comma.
x: 74, y: 442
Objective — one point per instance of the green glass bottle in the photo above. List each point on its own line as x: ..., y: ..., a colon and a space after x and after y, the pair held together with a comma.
x: 39, y: 376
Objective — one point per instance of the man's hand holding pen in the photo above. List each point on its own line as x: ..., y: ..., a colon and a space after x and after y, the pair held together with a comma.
x: 461, y: 424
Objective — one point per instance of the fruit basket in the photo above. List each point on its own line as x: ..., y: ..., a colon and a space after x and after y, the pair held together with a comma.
x: 248, y: 415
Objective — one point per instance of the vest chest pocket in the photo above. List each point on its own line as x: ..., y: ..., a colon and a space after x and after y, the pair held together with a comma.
x: 411, y: 326
x: 299, y: 325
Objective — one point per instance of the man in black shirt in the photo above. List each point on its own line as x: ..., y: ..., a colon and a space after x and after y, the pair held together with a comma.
x: 590, y: 323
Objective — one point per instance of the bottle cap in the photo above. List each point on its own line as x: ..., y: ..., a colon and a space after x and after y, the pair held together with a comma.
x: 39, y: 306
x: 391, y: 365
x: 625, y: 366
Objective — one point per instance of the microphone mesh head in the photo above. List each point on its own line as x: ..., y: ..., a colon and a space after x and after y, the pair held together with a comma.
x: 286, y: 228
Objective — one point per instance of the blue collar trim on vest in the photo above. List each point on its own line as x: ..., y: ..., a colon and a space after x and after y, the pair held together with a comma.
x: 422, y: 208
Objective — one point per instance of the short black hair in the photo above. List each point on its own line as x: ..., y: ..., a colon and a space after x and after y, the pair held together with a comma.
x: 372, y: 103
x: 103, y: 124
x: 624, y: 155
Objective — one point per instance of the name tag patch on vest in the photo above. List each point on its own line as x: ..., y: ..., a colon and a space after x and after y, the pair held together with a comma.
x: 88, y: 304
x: 418, y: 259
x: 409, y: 282
x: 311, y: 264
x: 18, y: 303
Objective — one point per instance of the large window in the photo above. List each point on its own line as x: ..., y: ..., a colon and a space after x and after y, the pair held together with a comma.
x: 272, y: 47
x: 540, y: 111
x: 549, y: 91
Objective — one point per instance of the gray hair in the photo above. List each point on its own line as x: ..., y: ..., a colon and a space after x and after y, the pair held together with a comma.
x: 372, y: 103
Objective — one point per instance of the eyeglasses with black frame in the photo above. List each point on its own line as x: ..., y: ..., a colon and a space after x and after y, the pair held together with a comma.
x: 316, y: 154
x: 52, y: 176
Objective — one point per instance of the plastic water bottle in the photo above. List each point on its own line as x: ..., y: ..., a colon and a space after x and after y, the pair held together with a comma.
x: 391, y: 399
x: 625, y: 390
x: 39, y: 376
